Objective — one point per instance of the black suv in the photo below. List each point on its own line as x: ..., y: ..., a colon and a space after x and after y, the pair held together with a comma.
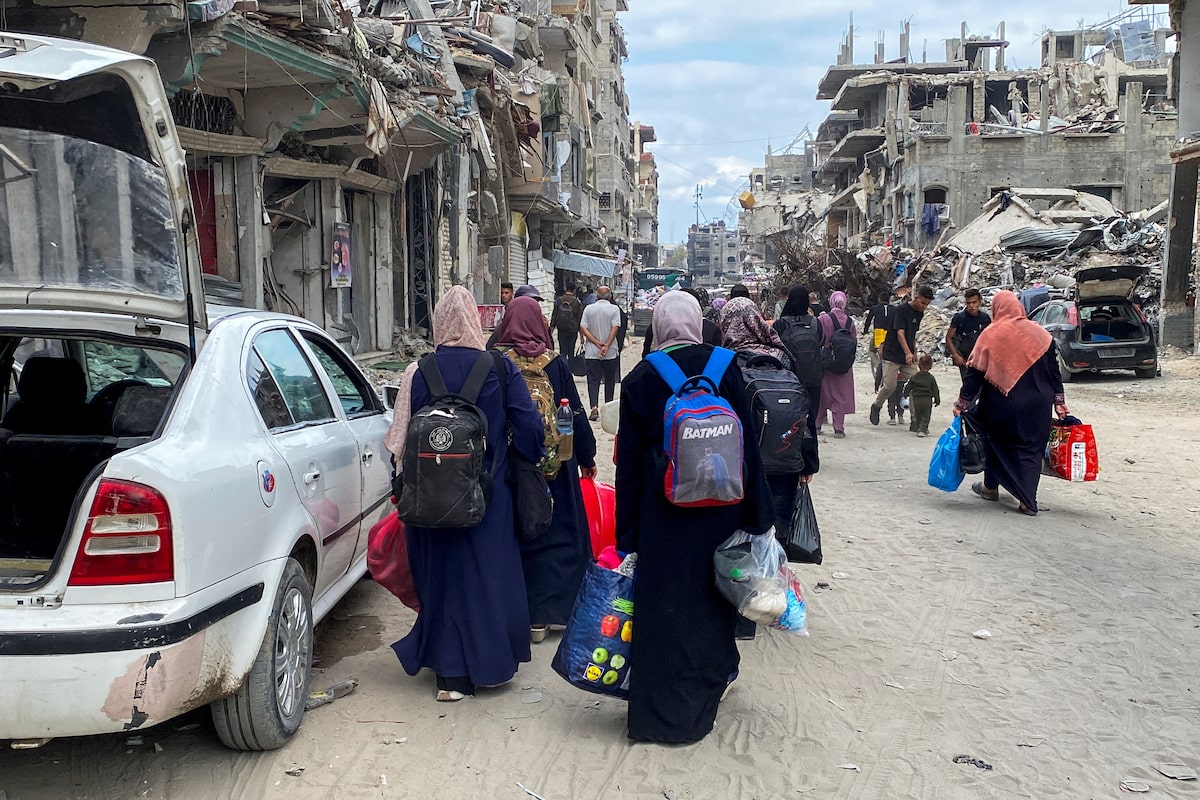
x: 1101, y: 329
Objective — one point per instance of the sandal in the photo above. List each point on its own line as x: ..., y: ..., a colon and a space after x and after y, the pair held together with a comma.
x: 979, y: 490
x: 444, y: 696
x: 537, y: 633
x: 1026, y: 510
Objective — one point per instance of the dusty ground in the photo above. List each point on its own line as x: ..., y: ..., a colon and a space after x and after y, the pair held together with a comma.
x: 1090, y: 675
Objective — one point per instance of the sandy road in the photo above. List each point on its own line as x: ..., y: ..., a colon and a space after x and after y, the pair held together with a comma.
x: 1090, y: 675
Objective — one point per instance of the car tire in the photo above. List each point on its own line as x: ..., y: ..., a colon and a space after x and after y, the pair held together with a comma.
x: 1066, y: 374
x: 1146, y: 372
x: 267, y: 709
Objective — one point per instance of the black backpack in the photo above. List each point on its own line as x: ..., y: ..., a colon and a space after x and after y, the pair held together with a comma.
x: 443, y: 483
x: 838, y: 355
x: 564, y: 315
x: 802, y: 338
x: 779, y: 407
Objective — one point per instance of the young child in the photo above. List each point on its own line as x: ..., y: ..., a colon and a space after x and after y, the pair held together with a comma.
x: 923, y: 394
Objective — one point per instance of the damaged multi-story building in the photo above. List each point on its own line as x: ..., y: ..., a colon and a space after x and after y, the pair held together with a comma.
x: 437, y: 142
x: 910, y: 147
x: 780, y: 202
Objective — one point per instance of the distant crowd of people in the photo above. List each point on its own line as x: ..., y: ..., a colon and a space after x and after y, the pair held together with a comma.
x: 486, y: 595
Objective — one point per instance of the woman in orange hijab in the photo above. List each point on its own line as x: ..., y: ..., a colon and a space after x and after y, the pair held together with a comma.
x: 1013, y: 371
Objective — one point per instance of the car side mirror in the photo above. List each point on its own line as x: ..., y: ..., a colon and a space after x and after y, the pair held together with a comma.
x: 390, y: 394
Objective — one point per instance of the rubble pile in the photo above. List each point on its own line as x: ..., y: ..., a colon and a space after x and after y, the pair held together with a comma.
x: 1017, y: 247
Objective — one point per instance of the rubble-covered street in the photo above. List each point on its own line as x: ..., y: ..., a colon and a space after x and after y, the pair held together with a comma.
x: 1085, y: 682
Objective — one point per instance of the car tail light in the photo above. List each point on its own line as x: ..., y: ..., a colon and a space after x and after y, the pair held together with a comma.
x: 127, y: 539
x: 1072, y: 315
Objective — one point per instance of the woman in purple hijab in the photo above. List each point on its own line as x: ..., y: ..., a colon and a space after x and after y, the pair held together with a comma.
x: 556, y: 561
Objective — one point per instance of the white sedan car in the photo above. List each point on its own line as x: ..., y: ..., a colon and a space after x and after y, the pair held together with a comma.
x: 184, y: 491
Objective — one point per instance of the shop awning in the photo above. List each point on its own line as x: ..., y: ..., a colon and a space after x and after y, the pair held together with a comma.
x: 586, y: 265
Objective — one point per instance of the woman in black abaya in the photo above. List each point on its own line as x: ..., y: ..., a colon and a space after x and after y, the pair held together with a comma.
x: 683, y: 652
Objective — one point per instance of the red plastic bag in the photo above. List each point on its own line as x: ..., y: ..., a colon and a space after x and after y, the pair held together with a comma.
x: 387, y: 560
x: 1072, y: 452
x: 600, y: 504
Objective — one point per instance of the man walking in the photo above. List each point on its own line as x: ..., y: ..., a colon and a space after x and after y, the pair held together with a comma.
x: 568, y: 311
x: 965, y: 328
x: 599, y: 326
x: 899, y: 350
x: 877, y: 324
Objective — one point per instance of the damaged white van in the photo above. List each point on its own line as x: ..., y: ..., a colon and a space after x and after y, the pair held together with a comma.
x: 183, y: 491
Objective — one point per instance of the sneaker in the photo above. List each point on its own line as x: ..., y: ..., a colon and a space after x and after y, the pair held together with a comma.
x: 892, y: 420
x: 839, y: 434
x: 900, y: 417
x: 874, y: 415
x: 537, y: 633
x: 922, y: 434
x: 595, y: 414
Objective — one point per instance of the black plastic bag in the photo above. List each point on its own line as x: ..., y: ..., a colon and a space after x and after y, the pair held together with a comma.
x: 972, y: 452
x: 803, y: 540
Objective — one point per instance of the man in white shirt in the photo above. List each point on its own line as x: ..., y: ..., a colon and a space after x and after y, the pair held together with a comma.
x: 599, y: 326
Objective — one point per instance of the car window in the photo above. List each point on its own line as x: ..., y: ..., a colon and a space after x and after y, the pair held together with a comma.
x: 105, y: 363
x: 353, y: 392
x: 294, y: 376
x: 1054, y: 315
x: 266, y: 394
x: 1039, y: 315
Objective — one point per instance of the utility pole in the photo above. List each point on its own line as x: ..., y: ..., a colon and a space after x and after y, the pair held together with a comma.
x: 698, y: 196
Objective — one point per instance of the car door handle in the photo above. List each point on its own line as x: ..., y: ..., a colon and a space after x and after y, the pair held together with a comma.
x: 367, y: 456
x: 312, y: 477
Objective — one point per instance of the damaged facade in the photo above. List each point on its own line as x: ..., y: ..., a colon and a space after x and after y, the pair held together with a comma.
x: 909, y: 149
x: 780, y: 202
x: 426, y: 143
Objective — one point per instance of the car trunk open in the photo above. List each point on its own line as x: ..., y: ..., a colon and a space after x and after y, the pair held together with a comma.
x: 71, y: 405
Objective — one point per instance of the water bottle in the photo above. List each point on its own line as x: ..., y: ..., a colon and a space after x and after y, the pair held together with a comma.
x: 564, y: 423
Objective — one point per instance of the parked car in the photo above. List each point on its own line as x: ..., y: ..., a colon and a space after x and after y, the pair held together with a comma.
x: 1101, y: 328
x: 184, y: 491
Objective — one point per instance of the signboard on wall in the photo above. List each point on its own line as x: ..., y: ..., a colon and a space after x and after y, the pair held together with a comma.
x: 489, y: 316
x: 339, y: 262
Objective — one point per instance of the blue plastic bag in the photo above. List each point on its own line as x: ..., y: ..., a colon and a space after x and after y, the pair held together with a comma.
x: 945, y: 468
x: 594, y: 652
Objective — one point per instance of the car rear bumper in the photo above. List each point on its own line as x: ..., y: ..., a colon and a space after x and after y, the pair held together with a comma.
x: 1094, y: 358
x: 114, y: 678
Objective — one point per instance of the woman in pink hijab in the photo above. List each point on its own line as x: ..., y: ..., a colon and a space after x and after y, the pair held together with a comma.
x: 837, y: 391
x: 473, y: 627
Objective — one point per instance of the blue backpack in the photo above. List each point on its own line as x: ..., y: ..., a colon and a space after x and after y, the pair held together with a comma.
x: 702, y: 436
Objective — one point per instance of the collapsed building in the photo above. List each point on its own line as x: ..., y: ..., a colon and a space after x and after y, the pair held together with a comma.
x: 780, y: 202
x: 910, y: 149
x: 427, y: 142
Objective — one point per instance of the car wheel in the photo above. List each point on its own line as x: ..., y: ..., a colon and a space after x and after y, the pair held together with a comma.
x: 1066, y: 374
x: 1146, y: 372
x: 267, y: 709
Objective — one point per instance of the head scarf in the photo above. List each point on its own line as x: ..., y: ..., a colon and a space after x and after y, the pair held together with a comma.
x: 744, y: 329
x: 719, y: 303
x: 524, y: 328
x: 837, y: 303
x: 455, y: 324
x: 677, y: 321
x: 1010, y: 345
x: 738, y: 290
x: 797, y: 302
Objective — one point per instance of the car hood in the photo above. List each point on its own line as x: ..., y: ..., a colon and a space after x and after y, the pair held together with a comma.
x: 98, y: 214
x: 1117, y: 281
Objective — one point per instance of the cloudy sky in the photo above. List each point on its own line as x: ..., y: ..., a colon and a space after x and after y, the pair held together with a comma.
x: 721, y: 81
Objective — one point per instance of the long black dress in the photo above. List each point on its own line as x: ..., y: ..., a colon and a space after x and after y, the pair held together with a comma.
x: 556, y: 561
x: 1017, y: 425
x: 474, y: 621
x: 683, y: 650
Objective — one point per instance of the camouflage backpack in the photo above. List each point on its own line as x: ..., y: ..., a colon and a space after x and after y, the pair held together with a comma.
x: 533, y: 370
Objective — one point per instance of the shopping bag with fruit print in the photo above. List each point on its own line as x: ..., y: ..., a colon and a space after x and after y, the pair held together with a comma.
x: 594, y: 652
